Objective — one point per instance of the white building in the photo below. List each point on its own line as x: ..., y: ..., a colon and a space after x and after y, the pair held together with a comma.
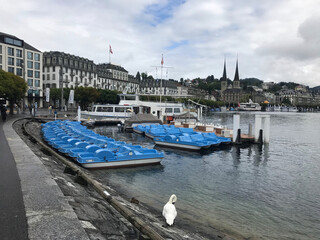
x: 20, y: 58
x: 62, y: 69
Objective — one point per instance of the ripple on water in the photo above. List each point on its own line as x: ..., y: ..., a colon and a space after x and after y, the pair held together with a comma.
x: 270, y: 192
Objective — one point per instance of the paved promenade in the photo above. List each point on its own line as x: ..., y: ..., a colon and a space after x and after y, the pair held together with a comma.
x: 32, y: 205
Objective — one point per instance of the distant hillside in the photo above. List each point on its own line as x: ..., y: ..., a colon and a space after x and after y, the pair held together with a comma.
x: 315, y: 89
x: 250, y: 82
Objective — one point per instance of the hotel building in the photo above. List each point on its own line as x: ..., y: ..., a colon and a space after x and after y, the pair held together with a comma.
x: 20, y: 58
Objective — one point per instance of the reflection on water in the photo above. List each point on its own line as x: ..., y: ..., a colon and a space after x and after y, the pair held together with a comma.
x: 266, y: 191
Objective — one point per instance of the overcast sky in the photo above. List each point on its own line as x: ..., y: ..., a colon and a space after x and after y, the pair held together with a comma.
x: 275, y: 40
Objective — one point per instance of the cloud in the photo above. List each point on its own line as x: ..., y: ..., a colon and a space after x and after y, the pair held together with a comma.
x: 305, y: 46
x: 270, y: 37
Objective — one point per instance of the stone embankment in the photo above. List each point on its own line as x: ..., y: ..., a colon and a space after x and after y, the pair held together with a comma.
x: 98, y: 217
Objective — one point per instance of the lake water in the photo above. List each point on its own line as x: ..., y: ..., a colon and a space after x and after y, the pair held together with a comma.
x: 268, y: 192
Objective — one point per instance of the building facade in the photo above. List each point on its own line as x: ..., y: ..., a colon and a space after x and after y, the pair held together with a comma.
x: 20, y: 58
x: 234, y: 94
x: 68, y: 71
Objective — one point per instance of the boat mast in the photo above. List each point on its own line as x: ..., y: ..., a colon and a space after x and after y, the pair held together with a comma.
x: 161, y: 78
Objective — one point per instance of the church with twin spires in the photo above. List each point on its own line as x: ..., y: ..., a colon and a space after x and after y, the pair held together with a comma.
x: 231, y: 94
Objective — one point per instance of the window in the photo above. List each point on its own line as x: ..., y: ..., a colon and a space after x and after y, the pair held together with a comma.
x: 177, y: 110
x: 19, y: 53
x: 19, y: 71
x: 30, y: 55
x: 37, y: 56
x: 37, y: 83
x: 54, y: 85
x: 30, y: 64
x: 10, y: 51
x: 37, y: 65
x: 10, y: 61
x: 30, y: 82
x: 53, y: 68
x: 43, y: 77
x: 120, y: 109
x: 0, y: 58
x: 30, y: 73
x: 168, y: 110
x: 36, y: 74
x: 0, y: 49
x: 48, y: 76
x: 19, y: 62
x: 53, y: 77
x: 11, y: 69
x: 13, y: 41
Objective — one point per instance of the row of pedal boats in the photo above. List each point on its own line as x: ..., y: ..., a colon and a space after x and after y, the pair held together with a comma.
x: 183, y: 138
x: 92, y: 150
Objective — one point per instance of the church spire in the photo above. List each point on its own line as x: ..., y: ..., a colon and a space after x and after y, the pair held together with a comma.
x: 224, y: 77
x: 224, y: 80
x: 236, y: 75
x: 236, y: 80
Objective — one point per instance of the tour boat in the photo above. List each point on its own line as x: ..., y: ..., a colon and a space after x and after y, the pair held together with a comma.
x: 109, y: 111
x: 158, y: 109
x: 249, y: 106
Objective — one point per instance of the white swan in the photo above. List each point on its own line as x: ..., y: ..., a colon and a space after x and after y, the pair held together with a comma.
x: 169, y: 210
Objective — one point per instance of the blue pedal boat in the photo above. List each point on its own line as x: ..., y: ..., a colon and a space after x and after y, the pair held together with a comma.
x: 181, y: 141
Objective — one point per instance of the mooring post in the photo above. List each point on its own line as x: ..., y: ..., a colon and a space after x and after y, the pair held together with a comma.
x: 250, y: 130
x: 257, y: 127
x: 236, y: 126
x: 266, y: 128
x: 79, y: 113
x: 260, y: 140
x: 238, y: 140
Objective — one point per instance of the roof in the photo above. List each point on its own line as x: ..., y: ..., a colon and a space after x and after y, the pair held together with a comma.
x: 111, y: 66
x: 25, y: 45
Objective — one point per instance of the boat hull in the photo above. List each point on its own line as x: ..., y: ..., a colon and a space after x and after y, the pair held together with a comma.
x: 149, y: 135
x: 181, y: 146
x: 138, y: 131
x: 117, y: 164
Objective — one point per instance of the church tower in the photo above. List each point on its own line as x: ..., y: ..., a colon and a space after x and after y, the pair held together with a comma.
x: 236, y: 80
x: 224, y: 80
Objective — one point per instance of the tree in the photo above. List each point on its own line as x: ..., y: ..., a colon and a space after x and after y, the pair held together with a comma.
x: 85, y: 96
x: 286, y: 101
x: 138, y: 77
x: 144, y: 76
x: 12, y: 87
x: 55, y: 94
x: 107, y: 96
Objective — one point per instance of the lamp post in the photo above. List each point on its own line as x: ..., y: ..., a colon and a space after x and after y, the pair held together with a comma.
x: 61, y: 82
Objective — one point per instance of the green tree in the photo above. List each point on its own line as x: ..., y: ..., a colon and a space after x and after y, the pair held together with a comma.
x: 85, y: 96
x: 144, y: 76
x: 55, y: 95
x: 12, y: 87
x: 286, y: 101
x: 107, y: 96
x: 138, y: 77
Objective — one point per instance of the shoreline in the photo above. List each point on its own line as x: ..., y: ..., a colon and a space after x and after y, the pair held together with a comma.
x: 181, y: 228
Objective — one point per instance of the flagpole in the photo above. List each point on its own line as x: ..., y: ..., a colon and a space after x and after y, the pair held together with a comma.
x: 161, y: 78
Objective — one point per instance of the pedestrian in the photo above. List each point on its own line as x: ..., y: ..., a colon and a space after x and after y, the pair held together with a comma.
x: 30, y: 109
x: 4, y: 113
x: 50, y: 109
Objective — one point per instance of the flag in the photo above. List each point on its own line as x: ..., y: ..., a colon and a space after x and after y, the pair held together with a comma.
x: 47, y: 94
x: 71, y: 96
x: 110, y: 49
x: 162, y: 60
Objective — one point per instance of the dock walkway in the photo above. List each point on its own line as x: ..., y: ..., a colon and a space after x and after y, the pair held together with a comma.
x: 32, y: 204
